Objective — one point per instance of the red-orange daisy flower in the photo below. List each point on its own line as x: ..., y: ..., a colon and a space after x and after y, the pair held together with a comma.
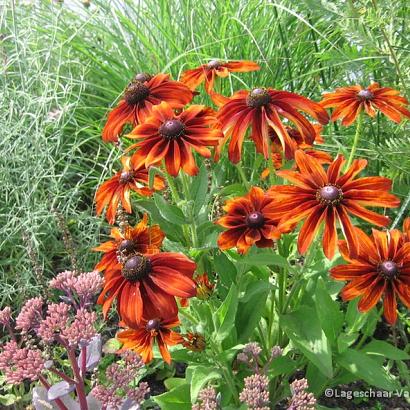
x: 215, y: 68
x: 172, y: 137
x: 381, y: 267
x: 146, y: 285
x: 118, y: 188
x: 139, y: 97
x: 141, y: 339
x: 142, y: 239
x: 406, y: 229
x: 319, y: 196
x: 350, y: 101
x: 250, y: 220
x: 262, y: 108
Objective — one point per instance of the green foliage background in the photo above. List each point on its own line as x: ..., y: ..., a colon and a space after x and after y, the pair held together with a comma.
x: 62, y: 67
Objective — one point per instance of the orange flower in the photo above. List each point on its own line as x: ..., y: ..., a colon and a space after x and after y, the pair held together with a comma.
x: 215, y: 68
x: 146, y: 285
x: 141, y: 339
x: 262, y: 108
x: 319, y: 196
x: 250, y: 220
x: 117, y: 189
x: 141, y: 94
x: 406, y: 229
x: 142, y: 239
x: 172, y: 137
x: 276, y: 156
x: 350, y: 101
x: 194, y: 341
x: 381, y: 267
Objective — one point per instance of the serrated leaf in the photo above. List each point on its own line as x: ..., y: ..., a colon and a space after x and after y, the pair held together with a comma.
x: 199, y: 189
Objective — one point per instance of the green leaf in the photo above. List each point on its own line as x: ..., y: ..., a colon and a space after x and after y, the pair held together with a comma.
x: 304, y: 330
x: 224, y: 317
x: 174, y: 382
x: 345, y: 340
x: 225, y: 269
x: 381, y: 348
x: 330, y: 316
x: 8, y: 399
x: 281, y: 365
x: 199, y: 189
x: 250, y: 308
x: 168, y: 211
x: 173, y: 232
x: 364, y: 367
x: 175, y: 399
x: 200, y: 377
x: 111, y: 345
x: 264, y: 258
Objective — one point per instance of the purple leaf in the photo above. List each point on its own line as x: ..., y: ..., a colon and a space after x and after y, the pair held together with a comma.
x: 60, y: 389
x: 93, y: 353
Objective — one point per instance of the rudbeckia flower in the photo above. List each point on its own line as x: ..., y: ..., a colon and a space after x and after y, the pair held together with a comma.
x: 141, y: 339
x: 172, y: 137
x: 381, y: 267
x: 406, y: 229
x: 262, y: 109
x: 118, y: 188
x: 215, y: 68
x: 350, y: 101
x: 142, y: 239
x: 327, y: 196
x: 143, y: 92
x: 250, y: 220
x: 146, y: 285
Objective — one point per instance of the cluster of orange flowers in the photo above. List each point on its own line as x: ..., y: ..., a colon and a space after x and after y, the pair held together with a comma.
x: 145, y: 282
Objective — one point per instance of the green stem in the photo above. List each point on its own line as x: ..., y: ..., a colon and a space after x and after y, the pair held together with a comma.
x: 243, y: 176
x: 194, y: 234
x: 188, y: 316
x: 355, y: 141
x: 172, y: 187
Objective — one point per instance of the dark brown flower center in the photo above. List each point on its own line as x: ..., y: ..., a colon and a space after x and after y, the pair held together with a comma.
x: 389, y: 269
x: 142, y: 77
x: 136, y: 92
x: 365, y: 95
x: 258, y: 97
x: 136, y: 268
x: 255, y: 220
x: 214, y: 64
x: 126, y: 246
x: 153, y: 325
x: 126, y: 176
x: 172, y: 129
x: 329, y: 195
